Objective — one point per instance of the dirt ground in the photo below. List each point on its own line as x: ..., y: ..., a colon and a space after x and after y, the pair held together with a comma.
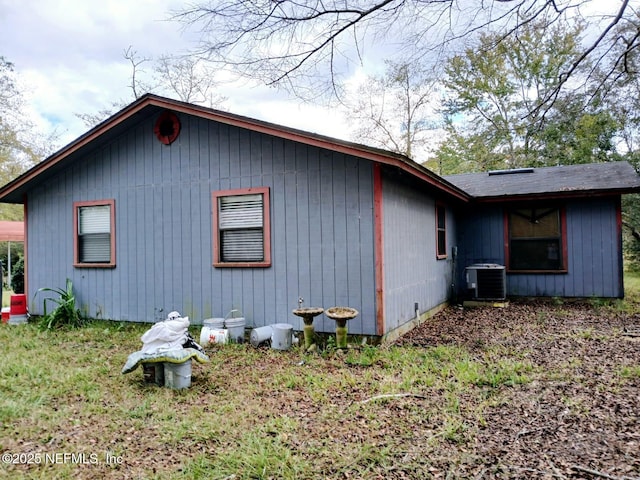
x: 580, y: 416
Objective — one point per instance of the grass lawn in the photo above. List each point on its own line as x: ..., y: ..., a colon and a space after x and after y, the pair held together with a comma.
x: 398, y: 411
x: 632, y: 286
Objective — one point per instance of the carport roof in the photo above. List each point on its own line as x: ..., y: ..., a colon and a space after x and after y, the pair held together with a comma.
x: 11, y: 231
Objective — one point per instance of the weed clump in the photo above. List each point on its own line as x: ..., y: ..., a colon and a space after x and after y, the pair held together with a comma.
x: 65, y: 313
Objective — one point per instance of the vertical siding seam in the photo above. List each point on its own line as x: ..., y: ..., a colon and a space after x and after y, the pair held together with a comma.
x: 378, y: 248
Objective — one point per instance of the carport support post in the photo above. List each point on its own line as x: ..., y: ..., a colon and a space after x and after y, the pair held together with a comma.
x: 9, y: 264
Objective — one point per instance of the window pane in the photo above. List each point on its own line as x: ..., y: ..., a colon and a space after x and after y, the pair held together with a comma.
x: 442, y: 240
x: 95, y: 248
x: 242, y: 246
x: 441, y: 217
x: 535, y: 223
x: 536, y: 255
x: 240, y: 211
x: 95, y: 219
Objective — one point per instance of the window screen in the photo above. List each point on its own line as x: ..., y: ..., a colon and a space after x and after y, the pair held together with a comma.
x: 535, y: 239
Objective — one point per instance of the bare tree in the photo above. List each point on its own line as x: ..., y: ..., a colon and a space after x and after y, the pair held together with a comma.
x: 396, y: 111
x: 186, y: 78
x: 309, y: 46
x: 138, y: 87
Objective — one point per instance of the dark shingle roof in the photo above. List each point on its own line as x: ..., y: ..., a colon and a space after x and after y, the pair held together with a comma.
x: 569, y: 180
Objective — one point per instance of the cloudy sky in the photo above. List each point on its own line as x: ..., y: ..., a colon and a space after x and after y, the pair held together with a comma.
x: 68, y: 55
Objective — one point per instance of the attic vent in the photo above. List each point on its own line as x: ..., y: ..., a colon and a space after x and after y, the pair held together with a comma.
x: 167, y: 127
x: 511, y: 171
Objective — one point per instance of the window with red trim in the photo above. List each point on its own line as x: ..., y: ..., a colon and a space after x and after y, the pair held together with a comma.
x: 94, y: 233
x: 536, y: 239
x: 441, y: 231
x: 241, y: 228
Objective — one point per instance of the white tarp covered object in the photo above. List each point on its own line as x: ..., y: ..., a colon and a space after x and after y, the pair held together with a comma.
x: 167, y: 335
x: 179, y: 355
x: 167, y: 341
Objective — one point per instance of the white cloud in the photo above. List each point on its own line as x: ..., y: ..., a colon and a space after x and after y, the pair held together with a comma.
x: 69, y: 58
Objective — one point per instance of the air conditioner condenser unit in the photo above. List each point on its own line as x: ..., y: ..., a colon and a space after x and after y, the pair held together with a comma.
x: 486, y: 281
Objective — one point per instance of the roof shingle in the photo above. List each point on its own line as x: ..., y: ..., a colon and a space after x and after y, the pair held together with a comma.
x: 565, y: 180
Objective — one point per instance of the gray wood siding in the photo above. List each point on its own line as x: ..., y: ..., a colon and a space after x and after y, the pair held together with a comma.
x: 321, y: 228
x: 412, y: 273
x: 593, y: 246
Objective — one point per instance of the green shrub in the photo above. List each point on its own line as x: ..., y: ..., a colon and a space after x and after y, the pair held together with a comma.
x: 17, y: 276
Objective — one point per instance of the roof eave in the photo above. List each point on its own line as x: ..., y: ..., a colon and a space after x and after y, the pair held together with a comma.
x: 555, y: 195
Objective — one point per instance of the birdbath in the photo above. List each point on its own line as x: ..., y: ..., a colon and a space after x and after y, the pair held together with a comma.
x: 341, y: 315
x: 308, y: 314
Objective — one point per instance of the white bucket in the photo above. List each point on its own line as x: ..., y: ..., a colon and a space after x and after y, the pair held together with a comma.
x: 260, y: 335
x: 213, y: 335
x: 17, y: 319
x: 281, y: 336
x: 177, y: 375
x: 235, y: 326
x: 214, y: 323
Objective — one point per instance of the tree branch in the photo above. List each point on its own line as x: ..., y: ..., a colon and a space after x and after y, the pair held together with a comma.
x: 552, y: 96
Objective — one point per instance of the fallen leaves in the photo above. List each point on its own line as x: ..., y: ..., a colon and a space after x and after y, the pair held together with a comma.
x: 580, y: 418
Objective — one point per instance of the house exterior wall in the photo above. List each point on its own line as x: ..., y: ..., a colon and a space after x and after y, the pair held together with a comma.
x: 594, y: 250
x: 322, y: 223
x: 412, y: 273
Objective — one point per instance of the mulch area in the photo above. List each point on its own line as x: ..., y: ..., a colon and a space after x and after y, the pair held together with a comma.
x: 579, y: 416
